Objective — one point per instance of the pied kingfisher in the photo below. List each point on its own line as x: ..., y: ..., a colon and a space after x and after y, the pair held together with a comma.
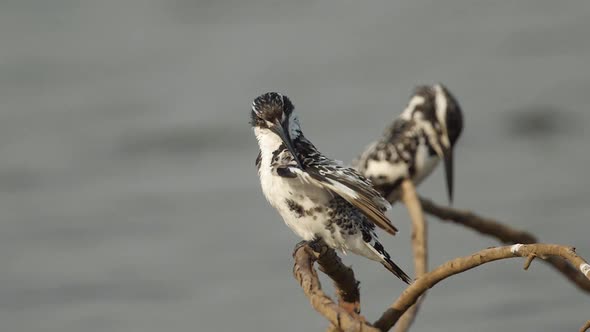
x: 412, y: 146
x: 316, y: 196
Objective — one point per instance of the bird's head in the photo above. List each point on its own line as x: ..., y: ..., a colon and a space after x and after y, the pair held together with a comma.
x: 439, y: 115
x: 274, y: 113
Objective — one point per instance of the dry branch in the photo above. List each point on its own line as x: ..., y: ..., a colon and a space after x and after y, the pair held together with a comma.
x: 419, y: 247
x: 344, y: 317
x: 345, y: 284
x: 479, y: 224
x: 503, y: 233
x: 458, y: 265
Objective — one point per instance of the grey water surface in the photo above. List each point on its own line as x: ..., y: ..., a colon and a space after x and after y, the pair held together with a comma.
x: 129, y: 199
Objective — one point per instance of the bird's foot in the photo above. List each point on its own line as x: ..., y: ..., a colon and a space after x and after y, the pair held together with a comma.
x: 299, y: 245
x: 315, y: 245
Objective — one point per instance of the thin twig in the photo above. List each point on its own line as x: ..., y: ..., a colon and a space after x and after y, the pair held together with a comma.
x: 528, y: 261
x: 458, y: 265
x: 504, y: 234
x: 479, y: 224
x: 419, y: 247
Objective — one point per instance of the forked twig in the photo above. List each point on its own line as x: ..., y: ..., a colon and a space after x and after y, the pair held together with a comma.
x: 504, y: 234
x: 344, y: 320
x: 344, y: 282
x: 458, y: 265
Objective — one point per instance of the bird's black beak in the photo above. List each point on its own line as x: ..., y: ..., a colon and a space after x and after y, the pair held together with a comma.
x: 281, y: 131
x: 448, y: 160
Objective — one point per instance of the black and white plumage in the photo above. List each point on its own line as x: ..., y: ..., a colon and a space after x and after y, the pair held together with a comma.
x: 412, y: 146
x: 317, y: 197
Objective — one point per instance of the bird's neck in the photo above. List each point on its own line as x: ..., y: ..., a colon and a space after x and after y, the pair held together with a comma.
x: 267, y: 140
x: 270, y: 142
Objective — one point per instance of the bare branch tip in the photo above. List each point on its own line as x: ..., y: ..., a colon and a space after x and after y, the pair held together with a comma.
x: 528, y: 261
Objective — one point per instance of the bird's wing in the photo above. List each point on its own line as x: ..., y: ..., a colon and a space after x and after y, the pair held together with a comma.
x: 388, y: 147
x: 352, y: 187
x: 347, y: 183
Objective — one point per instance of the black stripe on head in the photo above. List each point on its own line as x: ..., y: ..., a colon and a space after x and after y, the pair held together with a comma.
x: 270, y: 107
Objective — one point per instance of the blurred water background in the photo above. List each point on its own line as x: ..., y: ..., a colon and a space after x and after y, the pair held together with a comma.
x: 129, y: 198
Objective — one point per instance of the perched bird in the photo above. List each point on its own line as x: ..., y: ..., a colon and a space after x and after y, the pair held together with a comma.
x: 318, y: 198
x: 425, y: 132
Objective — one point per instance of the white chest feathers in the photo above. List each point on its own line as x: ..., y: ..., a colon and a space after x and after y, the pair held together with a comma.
x: 295, y: 199
x: 425, y: 163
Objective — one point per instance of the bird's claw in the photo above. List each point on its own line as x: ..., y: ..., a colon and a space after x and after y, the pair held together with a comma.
x: 299, y: 245
x: 315, y: 245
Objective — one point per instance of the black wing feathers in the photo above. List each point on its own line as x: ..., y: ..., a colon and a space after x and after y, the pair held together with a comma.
x: 347, y: 183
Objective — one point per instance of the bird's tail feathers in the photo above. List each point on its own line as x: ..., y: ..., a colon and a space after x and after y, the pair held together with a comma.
x: 385, y: 259
x: 393, y: 268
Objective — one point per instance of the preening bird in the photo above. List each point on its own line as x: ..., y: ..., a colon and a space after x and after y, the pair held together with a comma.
x: 425, y: 132
x: 316, y: 196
